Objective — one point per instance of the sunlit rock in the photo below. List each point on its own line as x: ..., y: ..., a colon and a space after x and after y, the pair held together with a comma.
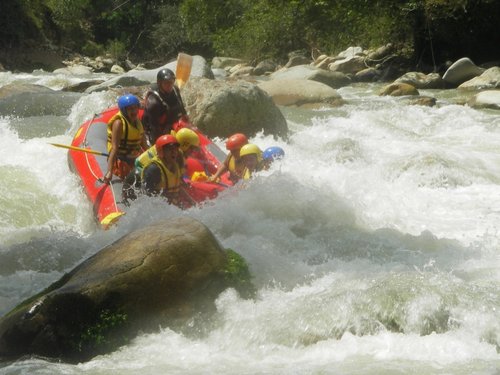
x: 136, y: 77
x: 422, y: 81
x: 462, y: 70
x: 300, y: 91
x: 162, y: 275
x: 399, y: 89
x: 486, y: 99
x: 332, y: 79
x: 490, y: 79
x: 220, y: 62
x: 221, y: 108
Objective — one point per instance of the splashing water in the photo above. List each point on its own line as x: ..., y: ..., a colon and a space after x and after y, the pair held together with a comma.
x: 373, y: 244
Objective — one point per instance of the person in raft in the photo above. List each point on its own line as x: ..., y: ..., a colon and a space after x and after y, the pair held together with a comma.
x: 126, y: 138
x: 251, y: 157
x: 271, y: 154
x: 191, y: 150
x: 233, y: 162
x: 188, y: 142
x: 163, y: 106
x: 162, y: 175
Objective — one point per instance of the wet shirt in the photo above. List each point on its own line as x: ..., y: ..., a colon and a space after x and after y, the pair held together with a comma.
x: 161, y: 111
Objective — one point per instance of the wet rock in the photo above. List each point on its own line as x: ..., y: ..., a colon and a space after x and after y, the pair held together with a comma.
x: 490, y: 79
x: 461, y: 70
x: 422, y: 81
x: 82, y: 86
x: 219, y: 62
x: 368, y: 75
x: 299, y: 92
x: 426, y: 101
x: 25, y: 100
x: 241, y: 71
x: 117, y: 69
x: 307, y: 72
x: 221, y: 108
x: 138, y: 77
x: 399, y: 89
x: 163, y: 275
x: 486, y: 99
x: 76, y: 70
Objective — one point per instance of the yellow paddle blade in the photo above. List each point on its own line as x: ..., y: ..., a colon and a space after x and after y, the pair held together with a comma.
x: 79, y: 149
x: 183, y: 70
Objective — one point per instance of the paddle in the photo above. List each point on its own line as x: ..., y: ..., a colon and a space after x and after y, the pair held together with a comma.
x: 183, y: 69
x: 88, y: 150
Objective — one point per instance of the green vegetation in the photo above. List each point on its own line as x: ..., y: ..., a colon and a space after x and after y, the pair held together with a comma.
x: 103, y: 334
x: 434, y: 30
x: 237, y: 274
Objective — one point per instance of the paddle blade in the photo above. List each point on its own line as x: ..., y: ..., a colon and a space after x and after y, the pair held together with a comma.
x: 74, y: 148
x: 183, y: 69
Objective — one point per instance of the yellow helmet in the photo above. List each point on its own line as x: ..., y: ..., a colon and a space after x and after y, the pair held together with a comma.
x: 250, y: 149
x: 187, y: 138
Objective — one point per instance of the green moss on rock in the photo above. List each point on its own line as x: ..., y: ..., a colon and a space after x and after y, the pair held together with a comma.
x: 238, y: 275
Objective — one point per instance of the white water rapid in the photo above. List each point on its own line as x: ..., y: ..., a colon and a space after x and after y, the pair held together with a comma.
x: 374, y: 244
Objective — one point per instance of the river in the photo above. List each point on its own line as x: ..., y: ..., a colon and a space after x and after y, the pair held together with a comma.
x: 374, y: 244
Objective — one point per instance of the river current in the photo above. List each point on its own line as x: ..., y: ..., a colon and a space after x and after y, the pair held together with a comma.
x: 374, y: 244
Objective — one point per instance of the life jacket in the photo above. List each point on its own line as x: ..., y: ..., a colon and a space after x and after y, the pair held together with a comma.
x: 247, y: 174
x: 145, y: 158
x: 130, y: 143
x: 173, y: 109
x: 236, y: 168
x: 170, y: 180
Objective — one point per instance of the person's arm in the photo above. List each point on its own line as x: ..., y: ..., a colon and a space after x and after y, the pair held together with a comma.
x: 177, y: 92
x: 152, y: 178
x: 116, y: 136
x: 222, y: 168
x: 144, y: 143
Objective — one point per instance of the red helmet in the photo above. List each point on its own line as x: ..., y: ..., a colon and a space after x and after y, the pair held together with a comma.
x: 236, y: 141
x: 165, y: 140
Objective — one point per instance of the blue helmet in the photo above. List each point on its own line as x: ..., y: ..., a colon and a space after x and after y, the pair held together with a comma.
x: 273, y: 153
x: 127, y: 100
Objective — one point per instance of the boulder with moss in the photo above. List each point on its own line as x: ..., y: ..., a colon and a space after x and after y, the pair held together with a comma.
x: 167, y: 274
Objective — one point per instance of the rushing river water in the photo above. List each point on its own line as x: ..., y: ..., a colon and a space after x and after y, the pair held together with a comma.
x: 374, y: 244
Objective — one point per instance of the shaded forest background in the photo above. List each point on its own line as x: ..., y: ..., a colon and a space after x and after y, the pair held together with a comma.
x: 427, y: 32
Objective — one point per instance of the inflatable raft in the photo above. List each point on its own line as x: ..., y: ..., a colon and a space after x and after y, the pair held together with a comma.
x: 90, y: 165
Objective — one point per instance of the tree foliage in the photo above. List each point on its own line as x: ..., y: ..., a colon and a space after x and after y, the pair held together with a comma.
x: 255, y: 29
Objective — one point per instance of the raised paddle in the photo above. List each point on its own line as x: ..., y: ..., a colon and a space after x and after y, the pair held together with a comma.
x: 88, y: 150
x: 183, y: 69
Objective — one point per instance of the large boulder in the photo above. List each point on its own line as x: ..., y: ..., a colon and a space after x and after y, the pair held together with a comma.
x: 299, y: 92
x: 77, y: 70
x: 14, y: 89
x: 422, y: 81
x: 399, y: 89
x: 222, y: 108
x: 163, y: 275
x: 200, y: 68
x: 220, y: 62
x: 332, y: 79
x: 26, y: 100
x: 490, y: 79
x: 486, y: 99
x: 462, y: 70
x: 349, y: 65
